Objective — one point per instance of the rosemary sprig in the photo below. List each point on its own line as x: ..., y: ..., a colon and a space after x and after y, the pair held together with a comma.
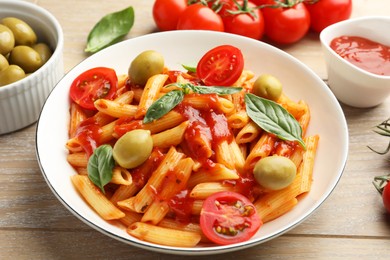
x: 384, y: 130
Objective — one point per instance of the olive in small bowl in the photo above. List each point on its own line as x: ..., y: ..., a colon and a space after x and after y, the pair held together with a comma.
x: 22, y: 94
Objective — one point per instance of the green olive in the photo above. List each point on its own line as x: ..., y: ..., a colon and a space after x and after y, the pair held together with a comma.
x: 11, y: 74
x: 25, y: 57
x: 267, y: 86
x: 133, y: 148
x: 3, y: 62
x: 145, y: 65
x: 23, y: 33
x: 7, y: 40
x: 275, y: 172
x: 44, y: 51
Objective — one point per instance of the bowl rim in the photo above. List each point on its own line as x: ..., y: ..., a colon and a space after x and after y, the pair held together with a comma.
x: 328, y: 31
x: 214, y: 249
x: 57, y: 51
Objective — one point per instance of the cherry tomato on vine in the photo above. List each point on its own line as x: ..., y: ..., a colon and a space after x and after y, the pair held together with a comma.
x: 228, y: 217
x: 221, y: 66
x: 249, y: 22
x: 286, y: 25
x: 200, y: 17
x: 93, y: 84
x: 386, y: 196
x: 326, y: 12
x: 166, y: 13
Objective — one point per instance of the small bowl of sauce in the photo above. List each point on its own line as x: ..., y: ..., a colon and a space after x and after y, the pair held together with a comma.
x: 357, y: 53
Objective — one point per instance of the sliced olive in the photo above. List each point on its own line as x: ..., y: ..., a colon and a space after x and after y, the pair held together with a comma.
x: 145, y: 65
x: 23, y: 33
x: 275, y: 172
x: 26, y: 58
x: 44, y: 51
x: 133, y: 148
x: 7, y: 40
x: 3, y: 63
x: 11, y: 74
x: 267, y: 86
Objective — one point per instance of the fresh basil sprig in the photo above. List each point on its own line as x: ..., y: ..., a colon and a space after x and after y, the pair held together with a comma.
x: 170, y: 100
x: 110, y: 29
x: 100, y: 166
x: 273, y: 118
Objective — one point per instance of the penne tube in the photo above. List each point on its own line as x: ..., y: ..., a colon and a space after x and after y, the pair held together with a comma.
x: 248, y: 133
x: 262, y: 149
x: 77, y: 115
x: 115, y: 109
x: 223, y: 154
x: 191, y: 227
x: 175, y: 182
x: 130, y: 218
x: 145, y: 197
x: 121, y: 176
x: 163, y: 236
x: 203, y: 190
x: 95, y: 198
x: 284, y: 208
x: 170, y: 137
x: 238, y: 157
x: 238, y: 119
x: 150, y: 93
x: 218, y: 173
x: 307, y: 165
x: 78, y: 159
x: 168, y: 121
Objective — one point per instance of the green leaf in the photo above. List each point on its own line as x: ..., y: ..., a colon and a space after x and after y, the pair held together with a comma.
x: 110, y: 29
x: 273, y: 118
x: 220, y: 90
x: 100, y: 166
x: 190, y: 67
x: 163, y: 105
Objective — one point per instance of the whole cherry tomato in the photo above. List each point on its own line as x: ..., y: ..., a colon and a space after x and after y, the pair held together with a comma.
x: 246, y: 20
x: 326, y: 12
x: 200, y: 17
x: 286, y: 24
x: 166, y: 13
x: 382, y: 184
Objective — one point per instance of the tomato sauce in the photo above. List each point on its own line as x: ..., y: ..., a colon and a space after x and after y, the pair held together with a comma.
x: 207, y: 128
x: 364, y: 53
x: 88, y: 134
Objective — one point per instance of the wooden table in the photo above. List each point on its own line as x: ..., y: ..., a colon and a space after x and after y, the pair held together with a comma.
x: 351, y: 224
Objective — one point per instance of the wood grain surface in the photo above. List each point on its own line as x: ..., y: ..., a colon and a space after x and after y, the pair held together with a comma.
x: 350, y: 224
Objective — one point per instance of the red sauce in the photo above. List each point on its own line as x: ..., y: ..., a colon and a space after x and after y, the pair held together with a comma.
x: 364, y: 53
x: 207, y: 128
x: 181, y: 206
x: 88, y: 134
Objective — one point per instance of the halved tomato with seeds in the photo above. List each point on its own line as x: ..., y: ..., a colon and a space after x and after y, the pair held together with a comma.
x: 228, y: 218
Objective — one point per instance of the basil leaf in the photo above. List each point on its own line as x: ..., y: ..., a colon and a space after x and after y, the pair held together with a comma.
x: 100, y: 166
x: 190, y: 67
x: 110, y: 29
x: 163, y: 105
x: 206, y: 90
x: 273, y: 118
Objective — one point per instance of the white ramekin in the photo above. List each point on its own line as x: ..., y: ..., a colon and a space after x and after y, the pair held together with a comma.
x: 22, y: 101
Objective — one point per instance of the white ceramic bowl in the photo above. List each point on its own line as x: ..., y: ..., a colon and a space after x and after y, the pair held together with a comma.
x: 185, y: 47
x: 22, y: 101
x: 351, y: 84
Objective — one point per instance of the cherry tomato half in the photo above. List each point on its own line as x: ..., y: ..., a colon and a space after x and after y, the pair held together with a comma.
x: 228, y: 217
x: 221, y: 66
x: 326, y: 12
x: 166, y: 13
x: 93, y: 84
x: 200, y: 17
